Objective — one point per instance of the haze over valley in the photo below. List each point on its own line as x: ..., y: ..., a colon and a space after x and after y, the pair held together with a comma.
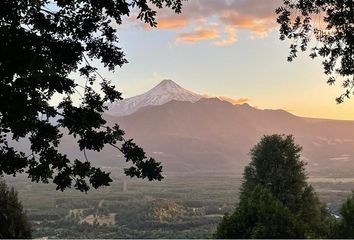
x: 191, y: 133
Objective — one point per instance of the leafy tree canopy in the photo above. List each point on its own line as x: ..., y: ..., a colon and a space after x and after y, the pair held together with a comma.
x: 13, y: 220
x: 331, y: 23
x: 275, y: 199
x: 41, y: 43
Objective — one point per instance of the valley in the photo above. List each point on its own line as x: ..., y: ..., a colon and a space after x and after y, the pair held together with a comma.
x: 203, y: 145
x: 178, y: 207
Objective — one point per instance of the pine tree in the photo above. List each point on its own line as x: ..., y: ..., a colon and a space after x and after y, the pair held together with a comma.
x: 275, y: 199
x: 13, y: 219
x: 260, y: 216
x: 345, y: 226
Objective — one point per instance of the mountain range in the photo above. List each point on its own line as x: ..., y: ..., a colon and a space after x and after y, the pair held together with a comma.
x: 191, y: 133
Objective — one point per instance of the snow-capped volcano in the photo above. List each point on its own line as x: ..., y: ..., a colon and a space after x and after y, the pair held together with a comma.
x: 165, y: 91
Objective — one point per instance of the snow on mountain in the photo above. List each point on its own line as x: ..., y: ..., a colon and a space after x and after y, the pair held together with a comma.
x: 164, y: 92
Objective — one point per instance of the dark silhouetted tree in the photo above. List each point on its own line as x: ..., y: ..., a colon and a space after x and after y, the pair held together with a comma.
x: 13, y: 220
x: 260, y: 216
x: 275, y: 200
x: 345, y: 226
x: 331, y: 24
x: 41, y: 43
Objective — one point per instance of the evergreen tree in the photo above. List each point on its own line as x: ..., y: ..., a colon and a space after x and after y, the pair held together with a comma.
x: 276, y: 164
x: 13, y: 220
x: 261, y: 216
x: 345, y: 226
x: 275, y: 199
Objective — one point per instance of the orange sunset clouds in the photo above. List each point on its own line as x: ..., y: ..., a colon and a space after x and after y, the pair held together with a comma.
x: 219, y: 20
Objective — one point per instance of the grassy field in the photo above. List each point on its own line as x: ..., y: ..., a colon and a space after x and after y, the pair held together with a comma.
x: 177, y: 207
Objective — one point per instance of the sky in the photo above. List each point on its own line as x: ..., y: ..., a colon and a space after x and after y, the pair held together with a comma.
x: 226, y: 48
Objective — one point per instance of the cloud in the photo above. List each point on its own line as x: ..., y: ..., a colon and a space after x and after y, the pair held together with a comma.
x: 234, y: 101
x: 198, y: 35
x: 232, y: 37
x: 238, y: 101
x: 172, y: 23
x: 256, y: 16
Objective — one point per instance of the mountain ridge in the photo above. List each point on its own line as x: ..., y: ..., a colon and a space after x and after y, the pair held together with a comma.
x: 213, y: 135
x: 162, y: 93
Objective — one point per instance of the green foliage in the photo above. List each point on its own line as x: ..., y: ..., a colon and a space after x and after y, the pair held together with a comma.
x: 41, y: 43
x: 331, y: 23
x: 13, y: 220
x: 345, y: 226
x: 260, y: 216
x: 276, y: 164
x: 275, y: 200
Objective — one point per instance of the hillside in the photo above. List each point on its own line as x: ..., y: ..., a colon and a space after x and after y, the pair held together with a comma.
x: 214, y: 136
